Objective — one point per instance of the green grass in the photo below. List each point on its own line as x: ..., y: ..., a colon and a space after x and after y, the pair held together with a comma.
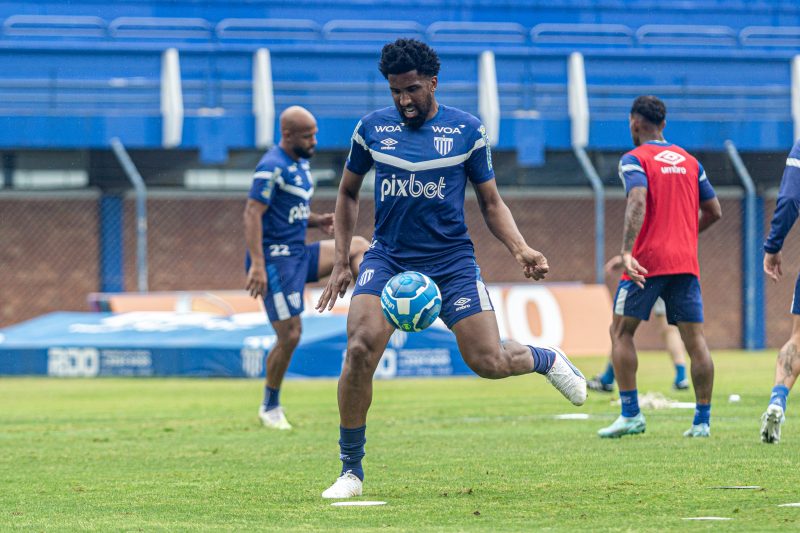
x: 446, y: 454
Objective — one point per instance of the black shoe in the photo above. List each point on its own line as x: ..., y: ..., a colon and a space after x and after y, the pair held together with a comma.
x: 596, y: 385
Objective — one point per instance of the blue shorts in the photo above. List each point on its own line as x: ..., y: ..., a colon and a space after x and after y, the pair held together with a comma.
x: 796, y: 297
x: 459, y: 280
x: 286, y: 279
x: 680, y: 292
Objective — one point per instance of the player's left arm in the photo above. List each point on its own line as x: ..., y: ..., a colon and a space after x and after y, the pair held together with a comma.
x: 502, y: 225
x: 710, y: 210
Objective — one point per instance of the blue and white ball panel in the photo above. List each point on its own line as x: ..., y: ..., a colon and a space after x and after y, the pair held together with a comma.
x: 683, y: 300
x: 796, y: 297
x: 463, y: 291
x: 286, y: 280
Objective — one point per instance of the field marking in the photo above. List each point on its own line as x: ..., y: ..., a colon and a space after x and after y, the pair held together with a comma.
x: 708, y: 518
x: 739, y: 487
x: 789, y: 504
x: 572, y: 416
x: 356, y: 503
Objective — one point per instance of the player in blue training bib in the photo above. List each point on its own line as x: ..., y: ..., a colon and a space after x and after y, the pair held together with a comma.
x: 787, y: 367
x: 424, y: 155
x: 279, y: 263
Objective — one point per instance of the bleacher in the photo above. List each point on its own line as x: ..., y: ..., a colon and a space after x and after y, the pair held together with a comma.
x: 77, y: 74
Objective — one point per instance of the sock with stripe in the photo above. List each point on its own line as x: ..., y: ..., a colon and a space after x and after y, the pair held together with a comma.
x: 543, y: 359
x: 702, y: 413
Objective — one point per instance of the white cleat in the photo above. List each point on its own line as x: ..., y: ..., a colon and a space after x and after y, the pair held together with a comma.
x: 346, y: 486
x: 274, y: 418
x: 567, y: 379
x: 771, y: 422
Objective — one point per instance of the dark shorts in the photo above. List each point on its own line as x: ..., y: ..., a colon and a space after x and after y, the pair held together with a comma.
x: 286, y: 279
x: 796, y: 297
x: 459, y: 280
x: 680, y: 292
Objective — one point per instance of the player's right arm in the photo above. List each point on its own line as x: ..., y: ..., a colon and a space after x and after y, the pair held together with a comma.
x: 359, y: 161
x: 786, y: 212
x: 634, y: 179
x: 257, y: 273
x: 344, y: 223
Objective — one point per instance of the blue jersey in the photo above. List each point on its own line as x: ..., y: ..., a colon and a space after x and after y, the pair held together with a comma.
x: 285, y: 186
x: 420, y: 179
x: 788, y: 203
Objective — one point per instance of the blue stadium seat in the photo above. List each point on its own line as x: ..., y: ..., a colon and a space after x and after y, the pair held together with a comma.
x: 582, y: 34
x: 54, y: 26
x: 381, y: 31
x: 770, y: 36
x: 162, y: 28
x: 677, y: 35
x: 268, y: 30
x: 506, y: 33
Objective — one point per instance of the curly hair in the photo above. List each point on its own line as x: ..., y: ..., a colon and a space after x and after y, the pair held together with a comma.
x: 405, y: 55
x: 651, y: 108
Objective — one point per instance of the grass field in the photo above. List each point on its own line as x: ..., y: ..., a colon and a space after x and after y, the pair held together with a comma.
x: 445, y: 454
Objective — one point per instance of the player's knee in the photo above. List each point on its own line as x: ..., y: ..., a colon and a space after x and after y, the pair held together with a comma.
x: 488, y: 365
x: 358, y: 360
x: 290, y: 337
x: 359, y: 245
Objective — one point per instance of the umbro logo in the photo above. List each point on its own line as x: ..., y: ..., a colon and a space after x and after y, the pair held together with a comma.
x: 669, y: 157
x: 388, y: 144
x: 673, y: 159
x: 462, y: 303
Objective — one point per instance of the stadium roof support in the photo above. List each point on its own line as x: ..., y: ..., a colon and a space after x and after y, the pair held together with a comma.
x: 579, y: 119
x: 171, y: 99
x: 263, y: 99
x: 141, y: 211
x: 488, y: 99
x: 753, y: 332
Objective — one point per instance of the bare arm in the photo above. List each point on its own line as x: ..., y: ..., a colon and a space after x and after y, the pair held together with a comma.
x: 323, y: 221
x: 634, y: 218
x: 710, y: 212
x: 502, y: 225
x: 345, y: 216
x: 257, y: 274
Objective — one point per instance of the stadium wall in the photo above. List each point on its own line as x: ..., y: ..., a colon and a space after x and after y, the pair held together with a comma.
x: 195, y: 243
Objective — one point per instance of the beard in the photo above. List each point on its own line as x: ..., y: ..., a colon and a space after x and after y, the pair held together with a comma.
x: 419, y: 119
x: 302, y: 153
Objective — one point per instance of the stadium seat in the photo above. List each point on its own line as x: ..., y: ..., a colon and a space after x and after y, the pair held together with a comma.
x: 54, y: 26
x: 676, y: 35
x: 770, y: 36
x: 173, y: 29
x: 268, y: 30
x: 507, y: 33
x: 582, y: 34
x: 371, y: 30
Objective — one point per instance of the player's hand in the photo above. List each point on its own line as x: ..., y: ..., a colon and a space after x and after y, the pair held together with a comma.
x: 534, y: 263
x: 634, y: 270
x: 325, y: 223
x: 772, y: 266
x: 257, y: 281
x: 614, y: 264
x: 336, y: 287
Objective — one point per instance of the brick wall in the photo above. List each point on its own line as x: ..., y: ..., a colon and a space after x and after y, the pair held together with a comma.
x: 49, y: 252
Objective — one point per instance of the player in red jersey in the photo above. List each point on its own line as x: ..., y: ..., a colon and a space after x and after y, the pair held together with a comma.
x: 665, y: 187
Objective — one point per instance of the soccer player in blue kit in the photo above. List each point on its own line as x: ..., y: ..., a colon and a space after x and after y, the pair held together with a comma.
x: 787, y: 366
x: 424, y: 154
x: 279, y: 263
